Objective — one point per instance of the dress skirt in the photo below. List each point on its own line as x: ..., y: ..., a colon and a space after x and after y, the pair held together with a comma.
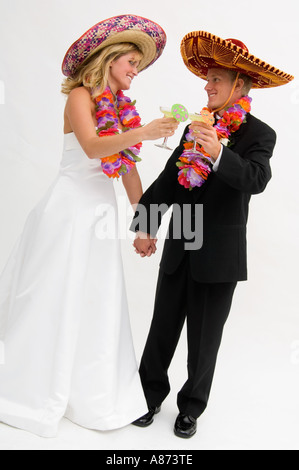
x: 66, y: 347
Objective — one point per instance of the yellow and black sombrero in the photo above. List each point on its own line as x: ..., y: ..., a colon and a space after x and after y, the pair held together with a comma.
x: 201, y: 50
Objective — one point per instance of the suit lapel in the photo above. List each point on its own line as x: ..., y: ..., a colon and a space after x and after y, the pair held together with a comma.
x: 238, y: 134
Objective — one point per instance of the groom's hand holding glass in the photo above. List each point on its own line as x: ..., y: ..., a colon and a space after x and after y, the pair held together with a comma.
x: 206, y: 135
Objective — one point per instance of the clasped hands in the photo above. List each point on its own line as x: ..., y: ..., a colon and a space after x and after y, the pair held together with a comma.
x: 206, y: 136
x: 144, y: 244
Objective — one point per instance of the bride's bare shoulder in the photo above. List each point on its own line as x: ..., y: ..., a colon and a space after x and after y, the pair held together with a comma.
x: 79, y: 93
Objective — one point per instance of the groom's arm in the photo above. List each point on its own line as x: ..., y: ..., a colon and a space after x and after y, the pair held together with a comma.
x: 159, y: 197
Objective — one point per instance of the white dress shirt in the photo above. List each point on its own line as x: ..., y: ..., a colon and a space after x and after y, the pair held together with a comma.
x: 217, y: 162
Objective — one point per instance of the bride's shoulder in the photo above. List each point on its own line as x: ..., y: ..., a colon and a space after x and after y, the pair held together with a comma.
x: 80, y: 93
x: 80, y: 98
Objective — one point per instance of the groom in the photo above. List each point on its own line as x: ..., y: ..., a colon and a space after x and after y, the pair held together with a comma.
x: 197, y: 284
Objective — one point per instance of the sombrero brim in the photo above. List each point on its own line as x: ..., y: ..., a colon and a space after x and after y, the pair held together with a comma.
x: 148, y: 36
x: 201, y: 50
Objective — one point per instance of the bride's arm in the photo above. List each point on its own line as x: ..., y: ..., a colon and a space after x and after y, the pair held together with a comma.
x: 144, y: 244
x: 133, y: 186
x: 79, y: 114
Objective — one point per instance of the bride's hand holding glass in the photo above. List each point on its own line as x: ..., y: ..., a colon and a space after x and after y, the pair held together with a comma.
x: 163, y: 127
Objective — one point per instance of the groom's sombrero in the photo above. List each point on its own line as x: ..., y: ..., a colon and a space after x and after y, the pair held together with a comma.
x: 148, y: 36
x: 201, y: 50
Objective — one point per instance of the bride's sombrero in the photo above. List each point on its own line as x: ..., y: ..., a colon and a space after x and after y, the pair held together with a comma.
x: 148, y: 36
x: 201, y: 50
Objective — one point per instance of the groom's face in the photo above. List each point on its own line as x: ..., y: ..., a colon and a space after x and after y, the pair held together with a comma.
x: 218, y: 88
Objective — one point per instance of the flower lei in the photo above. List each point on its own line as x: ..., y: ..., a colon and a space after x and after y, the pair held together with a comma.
x: 196, y: 167
x: 108, y: 113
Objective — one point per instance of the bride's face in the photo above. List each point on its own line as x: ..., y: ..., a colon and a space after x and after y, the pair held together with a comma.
x: 123, y: 70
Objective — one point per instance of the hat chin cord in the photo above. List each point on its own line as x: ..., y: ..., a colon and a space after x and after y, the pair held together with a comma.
x: 229, y: 98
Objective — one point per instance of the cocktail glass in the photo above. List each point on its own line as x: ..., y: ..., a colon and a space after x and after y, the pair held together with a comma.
x: 168, y: 114
x: 195, y: 117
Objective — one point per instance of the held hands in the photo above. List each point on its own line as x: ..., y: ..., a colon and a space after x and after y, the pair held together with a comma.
x: 164, y: 127
x: 144, y: 245
x: 206, y: 136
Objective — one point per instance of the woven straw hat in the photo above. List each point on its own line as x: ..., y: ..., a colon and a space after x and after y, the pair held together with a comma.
x: 148, y: 36
x: 201, y: 50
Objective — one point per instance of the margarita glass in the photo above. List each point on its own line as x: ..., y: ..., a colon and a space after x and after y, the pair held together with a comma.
x: 206, y: 117
x: 198, y: 118
x: 168, y: 114
x: 178, y: 112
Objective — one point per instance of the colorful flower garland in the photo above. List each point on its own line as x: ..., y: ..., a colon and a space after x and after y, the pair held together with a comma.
x: 109, y: 111
x: 196, y: 167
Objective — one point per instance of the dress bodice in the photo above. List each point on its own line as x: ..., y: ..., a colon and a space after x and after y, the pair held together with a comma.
x: 74, y: 155
x: 80, y: 175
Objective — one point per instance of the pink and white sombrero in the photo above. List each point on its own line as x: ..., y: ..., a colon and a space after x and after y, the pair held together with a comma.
x: 149, y: 37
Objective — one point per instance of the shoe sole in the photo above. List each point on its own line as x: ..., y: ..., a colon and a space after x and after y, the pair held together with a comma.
x: 139, y: 425
x: 145, y: 425
x: 183, y: 435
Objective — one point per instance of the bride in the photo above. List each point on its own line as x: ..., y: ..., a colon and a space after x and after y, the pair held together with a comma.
x: 65, y: 339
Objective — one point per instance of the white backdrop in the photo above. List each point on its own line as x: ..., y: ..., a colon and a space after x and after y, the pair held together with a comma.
x: 256, y: 383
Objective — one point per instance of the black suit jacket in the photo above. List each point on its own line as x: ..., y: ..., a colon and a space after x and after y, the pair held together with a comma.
x: 244, y: 170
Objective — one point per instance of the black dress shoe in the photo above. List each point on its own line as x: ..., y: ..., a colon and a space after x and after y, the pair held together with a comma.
x: 185, y: 426
x: 148, y: 418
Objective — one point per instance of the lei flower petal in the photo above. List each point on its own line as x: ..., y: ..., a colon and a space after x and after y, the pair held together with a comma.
x: 108, y: 116
x: 194, y: 168
x: 111, y: 166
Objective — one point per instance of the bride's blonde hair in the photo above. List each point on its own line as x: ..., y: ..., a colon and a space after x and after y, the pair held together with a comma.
x: 94, y: 71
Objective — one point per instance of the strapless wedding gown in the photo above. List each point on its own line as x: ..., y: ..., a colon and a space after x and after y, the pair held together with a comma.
x: 65, y: 337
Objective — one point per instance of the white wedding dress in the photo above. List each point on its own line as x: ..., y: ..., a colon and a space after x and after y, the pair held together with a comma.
x: 65, y: 337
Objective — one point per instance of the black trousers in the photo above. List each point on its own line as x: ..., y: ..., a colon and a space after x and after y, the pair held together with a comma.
x: 205, y: 307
